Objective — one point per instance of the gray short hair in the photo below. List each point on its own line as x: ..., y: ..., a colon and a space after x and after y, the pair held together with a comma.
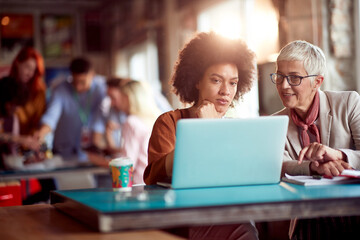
x: 312, y: 56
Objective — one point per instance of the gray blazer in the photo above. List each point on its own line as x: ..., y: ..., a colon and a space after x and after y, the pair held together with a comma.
x: 339, y: 121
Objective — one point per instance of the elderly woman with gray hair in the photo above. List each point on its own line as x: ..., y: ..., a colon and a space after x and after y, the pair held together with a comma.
x: 323, y: 133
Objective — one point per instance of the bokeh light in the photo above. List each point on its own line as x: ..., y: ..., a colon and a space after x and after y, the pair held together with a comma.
x: 5, y: 21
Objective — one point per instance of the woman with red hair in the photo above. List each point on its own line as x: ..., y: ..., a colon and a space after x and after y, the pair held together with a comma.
x: 26, y: 74
x: 27, y: 70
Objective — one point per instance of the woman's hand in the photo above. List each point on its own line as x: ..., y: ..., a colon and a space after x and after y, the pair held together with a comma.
x: 331, y: 168
x: 110, y: 127
x: 30, y: 142
x: 207, y: 109
x: 319, y: 153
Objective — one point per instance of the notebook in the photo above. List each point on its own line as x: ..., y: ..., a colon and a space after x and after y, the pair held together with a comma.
x: 319, y: 180
x: 228, y: 152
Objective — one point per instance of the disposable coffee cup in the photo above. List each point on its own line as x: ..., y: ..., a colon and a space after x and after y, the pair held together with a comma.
x: 122, y: 173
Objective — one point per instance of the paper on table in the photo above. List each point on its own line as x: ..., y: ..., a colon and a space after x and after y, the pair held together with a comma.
x: 310, y: 181
x: 350, y: 173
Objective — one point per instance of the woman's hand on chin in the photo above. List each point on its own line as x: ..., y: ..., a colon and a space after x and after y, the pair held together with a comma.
x: 207, y: 109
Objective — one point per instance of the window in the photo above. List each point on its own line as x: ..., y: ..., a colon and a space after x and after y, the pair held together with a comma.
x: 139, y: 62
x: 256, y: 22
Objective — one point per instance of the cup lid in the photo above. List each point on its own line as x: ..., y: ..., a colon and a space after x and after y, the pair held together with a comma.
x: 121, y: 161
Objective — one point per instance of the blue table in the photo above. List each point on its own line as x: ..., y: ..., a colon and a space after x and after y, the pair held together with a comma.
x: 157, y: 207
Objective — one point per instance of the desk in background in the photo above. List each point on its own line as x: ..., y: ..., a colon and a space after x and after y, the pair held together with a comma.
x: 72, y: 175
x: 156, y: 207
x: 43, y: 221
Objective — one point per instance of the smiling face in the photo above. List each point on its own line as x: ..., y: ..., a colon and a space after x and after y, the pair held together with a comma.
x: 26, y: 70
x: 219, y: 85
x: 299, y: 97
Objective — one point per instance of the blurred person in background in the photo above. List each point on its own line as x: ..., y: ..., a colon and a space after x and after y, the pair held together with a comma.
x: 27, y: 71
x: 73, y: 111
x: 135, y: 100
x: 11, y: 141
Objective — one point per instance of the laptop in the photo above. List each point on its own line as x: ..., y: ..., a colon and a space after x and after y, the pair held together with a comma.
x: 228, y: 152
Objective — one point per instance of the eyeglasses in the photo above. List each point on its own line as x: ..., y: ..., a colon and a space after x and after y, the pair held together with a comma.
x: 293, y: 80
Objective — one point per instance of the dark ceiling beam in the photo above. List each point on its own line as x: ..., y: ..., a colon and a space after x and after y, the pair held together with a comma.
x: 49, y: 4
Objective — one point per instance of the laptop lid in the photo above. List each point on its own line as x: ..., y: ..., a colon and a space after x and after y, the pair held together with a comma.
x: 228, y: 152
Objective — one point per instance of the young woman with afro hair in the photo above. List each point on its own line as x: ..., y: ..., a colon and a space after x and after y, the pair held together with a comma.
x: 210, y: 73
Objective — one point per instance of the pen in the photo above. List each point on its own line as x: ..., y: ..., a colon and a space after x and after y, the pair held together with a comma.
x: 328, y: 176
x: 318, y: 177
